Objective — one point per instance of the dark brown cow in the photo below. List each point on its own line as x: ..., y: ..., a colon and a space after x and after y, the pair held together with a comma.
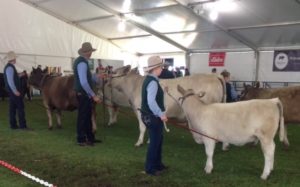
x: 3, y: 92
x: 58, y: 94
x: 289, y: 96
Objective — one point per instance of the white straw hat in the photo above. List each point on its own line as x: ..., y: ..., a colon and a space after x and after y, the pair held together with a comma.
x: 153, y: 62
x: 10, y: 56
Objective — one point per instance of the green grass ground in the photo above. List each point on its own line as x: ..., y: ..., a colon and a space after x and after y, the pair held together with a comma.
x: 55, y: 157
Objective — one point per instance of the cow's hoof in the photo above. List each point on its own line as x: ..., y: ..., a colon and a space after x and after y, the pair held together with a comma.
x: 59, y: 126
x: 264, y: 177
x: 225, y: 149
x: 208, y: 170
x: 286, y: 145
x: 111, y: 124
x: 50, y: 128
x: 138, y: 144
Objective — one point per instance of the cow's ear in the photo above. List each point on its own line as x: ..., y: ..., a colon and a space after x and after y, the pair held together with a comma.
x: 127, y: 69
x: 134, y: 71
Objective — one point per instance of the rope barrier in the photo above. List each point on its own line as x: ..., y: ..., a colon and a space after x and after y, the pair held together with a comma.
x: 21, y: 172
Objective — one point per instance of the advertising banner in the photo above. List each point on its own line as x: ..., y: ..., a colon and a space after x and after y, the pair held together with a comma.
x: 287, y: 60
x: 216, y: 59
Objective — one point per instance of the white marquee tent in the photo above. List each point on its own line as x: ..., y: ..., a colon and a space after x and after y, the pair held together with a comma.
x: 51, y: 31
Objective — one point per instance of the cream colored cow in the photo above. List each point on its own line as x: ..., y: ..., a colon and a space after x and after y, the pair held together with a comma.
x: 235, y: 123
x: 130, y: 83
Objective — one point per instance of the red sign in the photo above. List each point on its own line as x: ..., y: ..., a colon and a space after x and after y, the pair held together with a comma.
x: 216, y: 59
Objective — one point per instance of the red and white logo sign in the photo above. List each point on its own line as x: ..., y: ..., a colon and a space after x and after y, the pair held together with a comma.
x: 216, y: 59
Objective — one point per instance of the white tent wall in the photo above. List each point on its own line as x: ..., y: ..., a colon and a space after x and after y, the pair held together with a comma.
x: 241, y: 65
x: 266, y: 70
x: 45, y: 39
x: 26, y: 62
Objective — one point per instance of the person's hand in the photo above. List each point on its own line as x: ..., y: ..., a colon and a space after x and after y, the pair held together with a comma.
x: 17, y: 93
x: 97, y: 99
x: 164, y: 118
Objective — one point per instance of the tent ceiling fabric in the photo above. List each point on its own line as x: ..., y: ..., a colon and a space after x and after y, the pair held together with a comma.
x: 183, y: 25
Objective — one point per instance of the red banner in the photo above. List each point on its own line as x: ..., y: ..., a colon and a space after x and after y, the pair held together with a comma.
x: 216, y: 59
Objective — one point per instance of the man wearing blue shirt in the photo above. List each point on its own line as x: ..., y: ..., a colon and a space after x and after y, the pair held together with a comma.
x: 153, y: 115
x: 13, y: 86
x: 85, y: 95
x: 231, y: 94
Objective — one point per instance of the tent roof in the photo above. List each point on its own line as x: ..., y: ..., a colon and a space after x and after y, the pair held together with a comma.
x: 156, y: 26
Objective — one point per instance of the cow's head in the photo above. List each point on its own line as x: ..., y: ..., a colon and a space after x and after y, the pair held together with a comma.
x: 36, y: 77
x: 249, y: 92
x: 187, y: 93
x: 134, y: 71
x: 117, y: 75
x: 122, y: 71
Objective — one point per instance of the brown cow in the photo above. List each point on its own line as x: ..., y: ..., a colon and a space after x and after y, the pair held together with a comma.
x: 58, y: 94
x: 289, y: 96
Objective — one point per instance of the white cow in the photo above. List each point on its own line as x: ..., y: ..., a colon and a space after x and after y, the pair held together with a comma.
x: 130, y: 84
x: 235, y: 123
x: 113, y: 100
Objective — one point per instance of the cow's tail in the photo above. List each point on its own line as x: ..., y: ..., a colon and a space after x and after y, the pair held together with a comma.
x: 282, y: 129
x: 223, y: 83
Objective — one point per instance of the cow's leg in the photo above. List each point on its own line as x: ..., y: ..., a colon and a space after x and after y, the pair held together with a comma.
x: 268, y: 147
x: 209, y: 150
x: 49, y: 114
x: 58, y: 118
x: 94, y: 122
x: 142, y: 128
x: 285, y: 139
x: 113, y: 113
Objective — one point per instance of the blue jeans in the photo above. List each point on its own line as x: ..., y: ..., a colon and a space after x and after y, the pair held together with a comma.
x: 16, y: 104
x: 84, y: 121
x: 155, y: 129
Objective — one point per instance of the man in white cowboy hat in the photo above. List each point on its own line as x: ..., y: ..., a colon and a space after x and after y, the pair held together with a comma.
x: 13, y: 86
x: 153, y: 115
x: 85, y: 95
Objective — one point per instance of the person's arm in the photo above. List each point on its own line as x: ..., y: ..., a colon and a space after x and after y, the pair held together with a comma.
x: 82, y: 69
x: 10, y: 79
x: 152, y: 91
x: 234, y: 94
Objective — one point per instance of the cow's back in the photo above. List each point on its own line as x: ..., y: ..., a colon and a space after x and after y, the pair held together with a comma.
x: 289, y: 96
x: 211, y: 85
x: 237, y: 121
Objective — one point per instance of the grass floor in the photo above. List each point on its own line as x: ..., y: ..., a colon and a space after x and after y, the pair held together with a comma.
x: 55, y: 157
